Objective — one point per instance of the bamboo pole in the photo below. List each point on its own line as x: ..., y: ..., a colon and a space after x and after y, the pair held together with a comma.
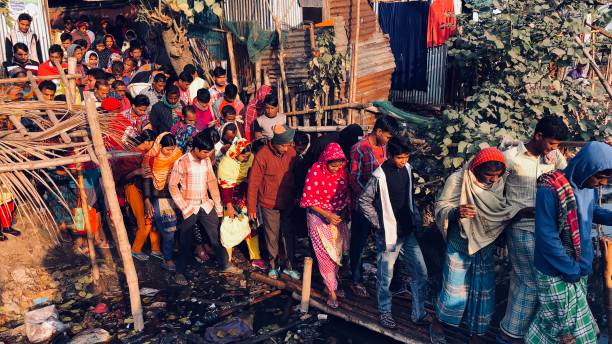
x: 95, y: 270
x: 306, y: 280
x: 67, y: 90
x: 38, y: 78
x: 281, y: 60
x: 110, y: 195
x: 72, y: 64
x: 257, y: 74
x: 40, y: 164
x: 313, y: 43
x: 355, y: 58
x: 17, y: 124
x: 230, y: 50
x: 327, y: 108
x: 39, y: 95
x: 279, y: 95
x: 602, y: 78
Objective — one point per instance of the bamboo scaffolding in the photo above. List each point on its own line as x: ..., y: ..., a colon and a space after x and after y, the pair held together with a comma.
x: 110, y: 196
x: 595, y: 67
x: 38, y: 78
x: 41, y: 97
x: 95, y: 270
x: 327, y: 108
x: 40, y: 164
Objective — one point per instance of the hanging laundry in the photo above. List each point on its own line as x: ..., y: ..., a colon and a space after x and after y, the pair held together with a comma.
x: 442, y: 22
x: 406, y: 25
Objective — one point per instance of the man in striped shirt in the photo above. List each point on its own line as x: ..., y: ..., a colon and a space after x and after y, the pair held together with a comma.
x: 526, y: 162
x: 191, y: 180
x: 366, y: 156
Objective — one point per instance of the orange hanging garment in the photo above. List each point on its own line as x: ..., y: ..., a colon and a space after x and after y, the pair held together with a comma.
x: 442, y: 22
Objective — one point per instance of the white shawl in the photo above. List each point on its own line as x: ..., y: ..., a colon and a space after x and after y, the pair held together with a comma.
x: 493, y: 213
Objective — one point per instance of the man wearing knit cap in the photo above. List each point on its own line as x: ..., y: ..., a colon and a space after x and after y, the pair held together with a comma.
x: 271, y: 185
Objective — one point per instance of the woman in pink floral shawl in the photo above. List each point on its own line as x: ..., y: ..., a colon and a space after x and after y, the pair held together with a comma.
x: 326, y: 195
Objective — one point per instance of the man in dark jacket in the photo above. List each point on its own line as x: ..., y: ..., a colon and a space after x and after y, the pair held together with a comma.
x: 164, y: 112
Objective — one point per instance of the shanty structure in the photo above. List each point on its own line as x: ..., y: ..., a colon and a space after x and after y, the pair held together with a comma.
x: 64, y: 136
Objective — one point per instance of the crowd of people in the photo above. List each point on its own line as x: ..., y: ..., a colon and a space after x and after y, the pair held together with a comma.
x: 215, y: 173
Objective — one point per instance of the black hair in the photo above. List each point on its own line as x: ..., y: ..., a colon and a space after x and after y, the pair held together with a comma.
x: 159, y: 77
x: 117, y: 83
x: 20, y: 46
x: 186, y: 76
x: 229, y: 127
x: 67, y: 18
x: 24, y: 16
x: 140, y: 100
x: 60, y: 98
x: 97, y: 73
x: 258, y: 145
x: 491, y: 166
x: 135, y: 44
x: 202, y: 142
x: 47, y: 84
x: 228, y: 110
x: 387, y: 124
x: 552, y: 127
x: 84, y: 18
x: 218, y: 72
x: 146, y: 135
x: 212, y: 134
x: 398, y: 145
x: 65, y: 36
x: 81, y: 42
x: 231, y: 91
x: 271, y: 100
x: 166, y: 69
x: 56, y: 48
x: 301, y: 138
x: 203, y: 95
x: 186, y: 109
x: 133, y: 60
x: 167, y: 141
x: 189, y: 68
x: 101, y: 82
x: 117, y: 67
x: 172, y: 89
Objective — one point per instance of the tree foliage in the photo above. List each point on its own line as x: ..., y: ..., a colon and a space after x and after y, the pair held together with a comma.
x: 511, y: 65
x: 326, y: 69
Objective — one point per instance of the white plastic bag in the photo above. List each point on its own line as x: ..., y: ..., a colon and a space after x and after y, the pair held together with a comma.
x: 42, y: 324
x: 234, y: 231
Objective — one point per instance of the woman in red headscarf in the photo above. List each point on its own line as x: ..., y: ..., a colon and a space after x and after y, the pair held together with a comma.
x: 472, y: 213
x: 327, y: 198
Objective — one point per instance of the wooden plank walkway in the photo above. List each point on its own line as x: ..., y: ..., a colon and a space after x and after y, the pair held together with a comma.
x: 364, y: 312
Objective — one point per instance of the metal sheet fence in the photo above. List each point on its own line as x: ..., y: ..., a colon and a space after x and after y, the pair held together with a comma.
x: 289, y: 12
x: 436, y: 81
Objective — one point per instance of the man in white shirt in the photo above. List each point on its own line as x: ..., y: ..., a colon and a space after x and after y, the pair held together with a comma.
x: 197, y: 82
x: 526, y: 162
x: 218, y: 89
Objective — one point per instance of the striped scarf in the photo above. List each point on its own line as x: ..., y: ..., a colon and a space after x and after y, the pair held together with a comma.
x: 568, y: 215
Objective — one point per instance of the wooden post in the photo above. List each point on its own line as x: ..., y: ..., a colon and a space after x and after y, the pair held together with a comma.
x: 306, y: 280
x: 313, y: 42
x: 72, y: 64
x: 257, y: 75
x: 67, y: 91
x: 110, y: 195
x: 95, y: 271
x: 279, y: 94
x: 230, y: 50
x: 281, y: 60
x: 354, y: 64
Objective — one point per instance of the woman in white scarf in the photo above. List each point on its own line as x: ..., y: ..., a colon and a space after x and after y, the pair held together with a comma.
x: 471, y: 212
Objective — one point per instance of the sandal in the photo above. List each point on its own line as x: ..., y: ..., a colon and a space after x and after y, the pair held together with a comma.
x: 3, y: 237
x: 359, y: 290
x: 387, y: 321
x: 140, y: 256
x: 180, y: 279
x: 333, y: 304
x: 11, y: 231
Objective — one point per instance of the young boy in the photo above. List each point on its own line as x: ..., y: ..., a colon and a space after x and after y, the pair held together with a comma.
x: 185, y: 129
x: 387, y: 202
x: 263, y: 125
x: 230, y: 97
x: 201, y: 103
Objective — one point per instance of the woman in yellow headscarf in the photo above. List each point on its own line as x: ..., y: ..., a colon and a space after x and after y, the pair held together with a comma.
x: 233, y: 171
x: 157, y: 165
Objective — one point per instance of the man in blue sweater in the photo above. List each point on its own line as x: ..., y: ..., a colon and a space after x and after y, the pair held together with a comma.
x: 566, y: 208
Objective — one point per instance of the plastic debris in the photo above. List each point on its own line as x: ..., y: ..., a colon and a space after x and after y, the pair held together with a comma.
x: 91, y: 336
x: 148, y: 291
x: 42, y: 324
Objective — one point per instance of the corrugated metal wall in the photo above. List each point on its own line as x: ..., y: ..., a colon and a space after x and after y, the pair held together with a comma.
x: 436, y: 75
x: 436, y: 81
x: 288, y: 11
x: 39, y: 24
